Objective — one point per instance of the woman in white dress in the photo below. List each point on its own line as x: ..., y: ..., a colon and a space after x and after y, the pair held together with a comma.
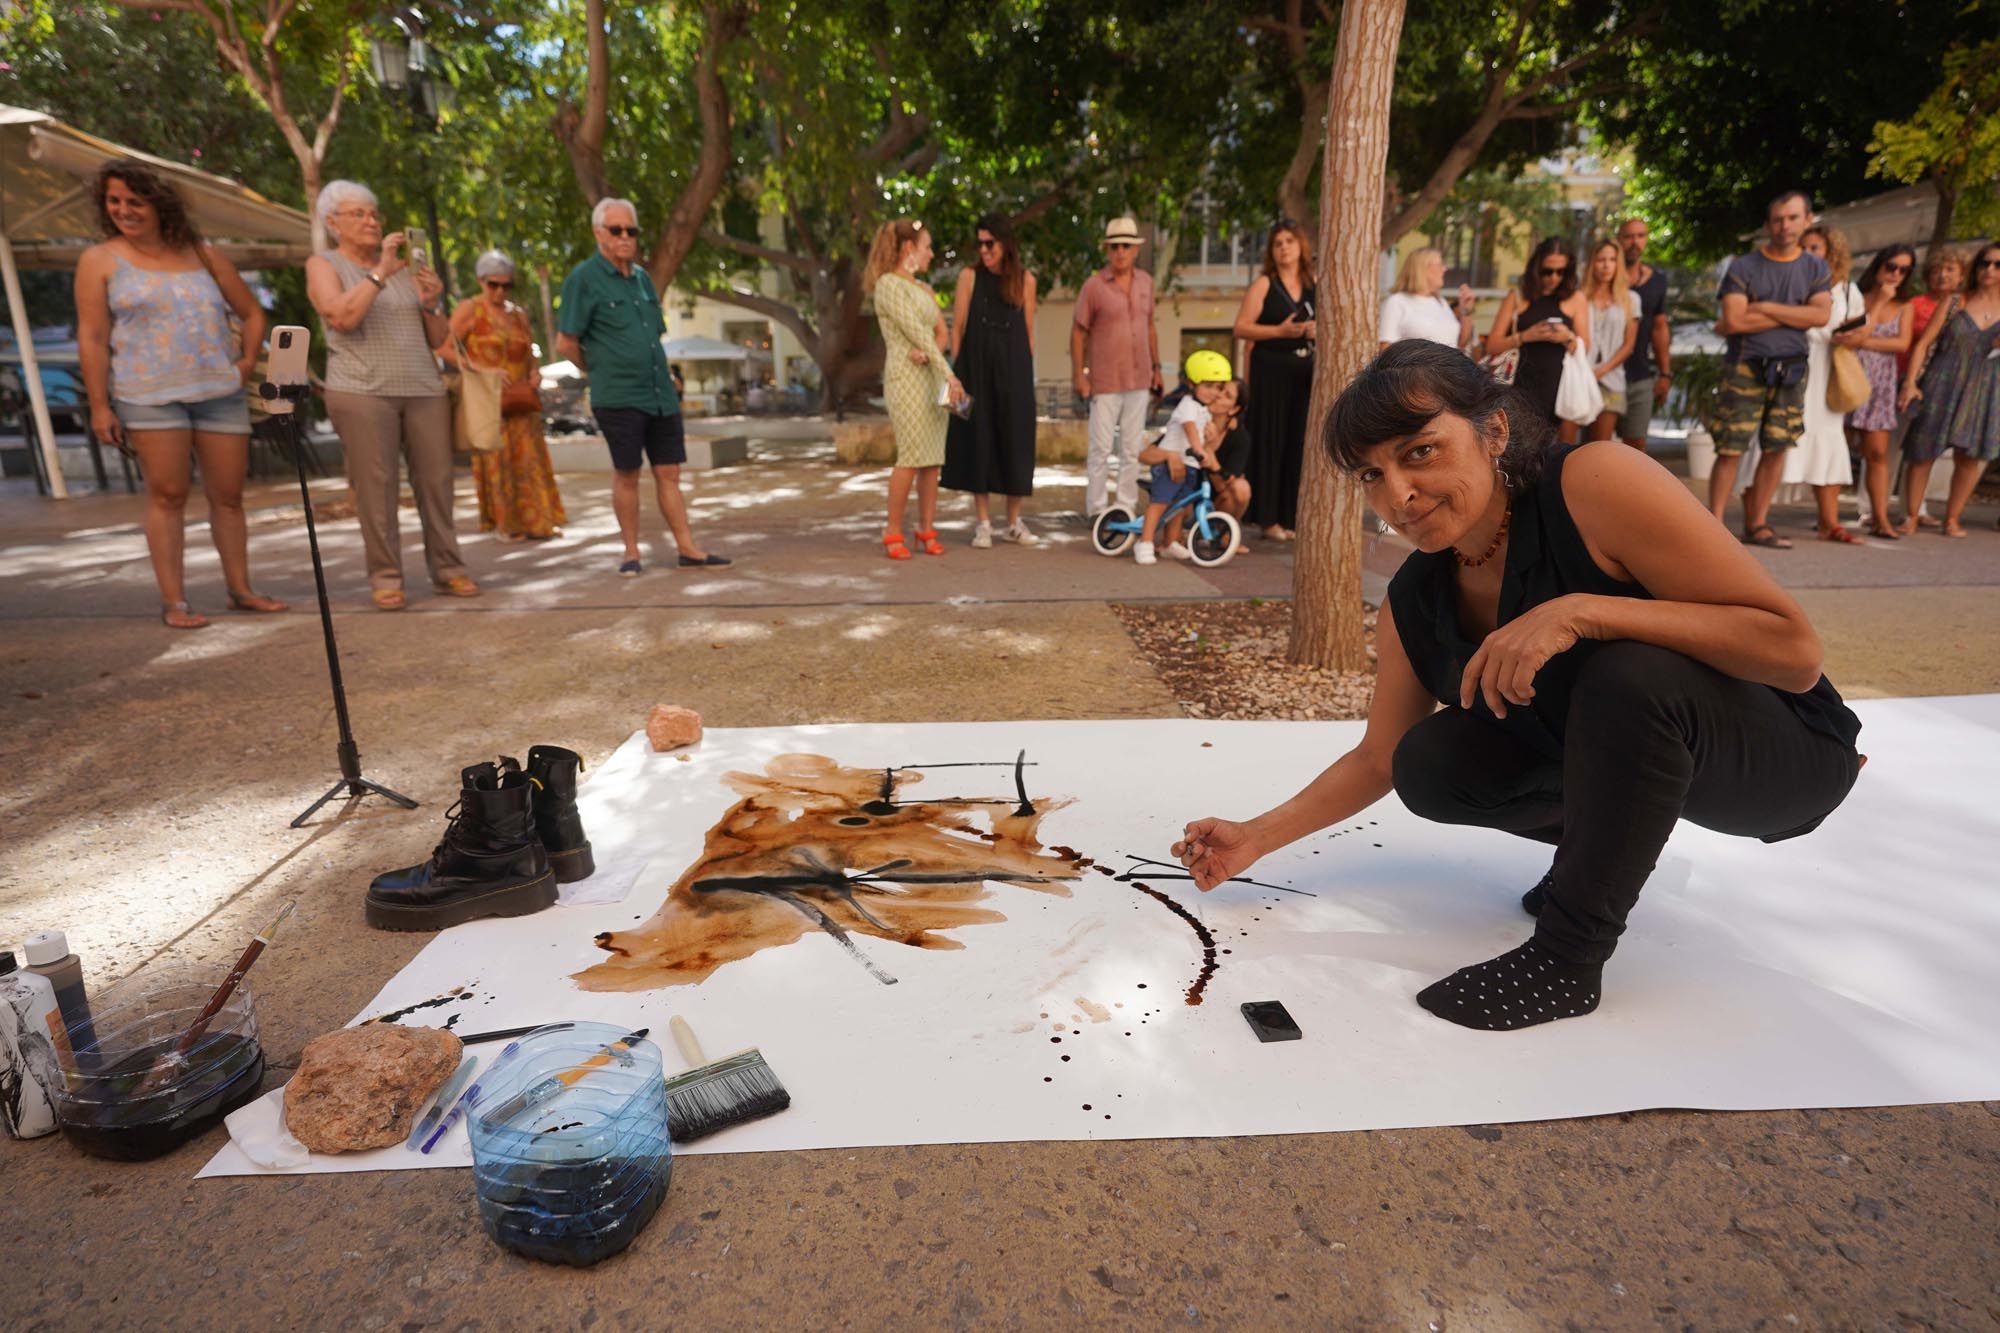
x: 1820, y: 460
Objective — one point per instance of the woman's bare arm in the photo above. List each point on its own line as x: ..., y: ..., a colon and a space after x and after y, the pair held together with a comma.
x: 1028, y: 300
x: 961, y: 302
x: 343, y: 310
x: 1246, y: 327
x: 237, y: 293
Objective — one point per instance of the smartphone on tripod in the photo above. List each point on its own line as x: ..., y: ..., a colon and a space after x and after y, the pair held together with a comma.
x: 287, y: 365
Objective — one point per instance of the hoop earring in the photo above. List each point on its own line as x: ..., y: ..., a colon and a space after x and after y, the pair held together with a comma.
x: 1506, y: 482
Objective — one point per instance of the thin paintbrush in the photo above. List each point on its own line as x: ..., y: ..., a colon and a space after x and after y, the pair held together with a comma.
x: 502, y: 1034
x: 465, y: 1098
x: 441, y: 1101
x: 711, y: 1097
x: 618, y: 1050
x: 176, y: 1057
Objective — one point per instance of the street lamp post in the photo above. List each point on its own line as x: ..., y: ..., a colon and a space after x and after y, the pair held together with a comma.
x: 403, y: 65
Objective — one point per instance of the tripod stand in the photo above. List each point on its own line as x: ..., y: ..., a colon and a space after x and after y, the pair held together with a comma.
x: 351, y: 782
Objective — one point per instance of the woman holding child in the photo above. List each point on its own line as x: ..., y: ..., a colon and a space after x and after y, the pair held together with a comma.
x: 1609, y: 661
x: 1183, y: 453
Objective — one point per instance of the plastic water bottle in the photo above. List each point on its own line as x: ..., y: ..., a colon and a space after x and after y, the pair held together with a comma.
x: 28, y: 1071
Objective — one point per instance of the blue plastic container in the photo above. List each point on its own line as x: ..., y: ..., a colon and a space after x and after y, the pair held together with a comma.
x: 576, y: 1175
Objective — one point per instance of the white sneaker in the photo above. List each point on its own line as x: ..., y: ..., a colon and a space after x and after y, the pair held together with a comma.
x: 1143, y: 554
x: 1179, y: 552
x: 1020, y: 536
x: 982, y: 536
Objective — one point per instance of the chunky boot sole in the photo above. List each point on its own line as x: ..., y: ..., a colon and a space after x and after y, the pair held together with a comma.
x: 573, y: 865
x: 521, y: 899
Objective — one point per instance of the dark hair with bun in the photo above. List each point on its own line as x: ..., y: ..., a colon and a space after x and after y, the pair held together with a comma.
x: 1400, y: 391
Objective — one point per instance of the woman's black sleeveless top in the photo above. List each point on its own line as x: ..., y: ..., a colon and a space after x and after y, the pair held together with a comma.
x: 1546, y: 559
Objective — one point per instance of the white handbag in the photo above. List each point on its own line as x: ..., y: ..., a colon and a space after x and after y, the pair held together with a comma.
x: 1579, y: 397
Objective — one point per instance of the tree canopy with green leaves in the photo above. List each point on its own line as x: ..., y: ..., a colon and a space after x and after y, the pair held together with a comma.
x: 1952, y: 141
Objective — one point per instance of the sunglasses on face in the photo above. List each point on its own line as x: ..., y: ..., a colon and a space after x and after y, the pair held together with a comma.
x: 1896, y: 268
x: 496, y: 284
x: 1986, y: 263
x: 1554, y: 270
x: 988, y: 243
x: 621, y: 231
x: 1124, y: 245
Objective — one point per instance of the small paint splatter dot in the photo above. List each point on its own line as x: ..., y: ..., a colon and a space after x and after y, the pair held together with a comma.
x: 1047, y: 1079
x: 1065, y: 1059
x: 1056, y: 1040
x: 1086, y: 1106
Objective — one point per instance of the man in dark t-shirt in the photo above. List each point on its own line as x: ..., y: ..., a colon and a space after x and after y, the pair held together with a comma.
x: 1769, y: 298
x: 1651, y: 354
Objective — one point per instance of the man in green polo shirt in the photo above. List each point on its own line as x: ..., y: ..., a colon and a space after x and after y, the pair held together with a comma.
x: 609, y: 325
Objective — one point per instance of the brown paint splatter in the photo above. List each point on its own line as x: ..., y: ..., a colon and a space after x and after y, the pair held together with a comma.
x: 1208, y: 963
x: 815, y: 845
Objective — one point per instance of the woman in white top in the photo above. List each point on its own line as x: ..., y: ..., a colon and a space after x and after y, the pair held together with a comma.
x: 1614, y: 330
x: 1416, y: 310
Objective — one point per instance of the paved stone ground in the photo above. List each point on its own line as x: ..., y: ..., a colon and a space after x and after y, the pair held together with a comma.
x: 151, y: 775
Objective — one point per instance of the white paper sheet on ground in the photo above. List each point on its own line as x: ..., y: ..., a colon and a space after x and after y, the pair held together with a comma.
x: 1850, y: 967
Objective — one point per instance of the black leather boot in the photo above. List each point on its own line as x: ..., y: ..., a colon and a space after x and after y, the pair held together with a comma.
x: 554, y: 771
x: 490, y: 862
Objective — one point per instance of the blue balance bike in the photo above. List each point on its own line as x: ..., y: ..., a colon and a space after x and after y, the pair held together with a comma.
x: 1211, y: 536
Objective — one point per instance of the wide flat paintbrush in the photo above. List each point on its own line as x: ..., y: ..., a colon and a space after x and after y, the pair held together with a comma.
x: 711, y: 1097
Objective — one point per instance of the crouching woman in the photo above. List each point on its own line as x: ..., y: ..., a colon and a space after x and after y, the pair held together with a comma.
x: 1608, y: 658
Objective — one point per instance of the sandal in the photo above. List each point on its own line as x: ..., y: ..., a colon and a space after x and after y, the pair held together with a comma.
x: 458, y: 585
x: 1766, y: 536
x: 388, y: 599
x: 1926, y: 521
x: 1954, y: 530
x: 1884, y: 533
x: 1836, y: 533
x: 929, y: 541
x: 188, y: 617
x: 257, y: 602
x: 894, y: 546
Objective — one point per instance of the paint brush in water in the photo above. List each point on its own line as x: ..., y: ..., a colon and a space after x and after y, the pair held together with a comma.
x: 711, y: 1097
x: 618, y: 1050
x: 176, y: 1058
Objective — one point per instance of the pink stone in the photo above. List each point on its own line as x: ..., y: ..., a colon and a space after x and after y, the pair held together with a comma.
x: 364, y: 1087
x: 670, y: 726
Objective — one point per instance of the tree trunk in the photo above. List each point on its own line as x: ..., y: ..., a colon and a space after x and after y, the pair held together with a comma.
x: 582, y: 132
x: 1326, y: 581
x: 683, y: 223
x: 1947, y: 205
x: 548, y: 311
x: 309, y: 179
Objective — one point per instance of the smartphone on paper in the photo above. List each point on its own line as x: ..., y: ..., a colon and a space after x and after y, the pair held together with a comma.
x: 287, y: 364
x: 1268, y: 1019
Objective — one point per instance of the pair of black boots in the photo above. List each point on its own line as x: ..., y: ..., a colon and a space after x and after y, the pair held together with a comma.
x: 514, y: 835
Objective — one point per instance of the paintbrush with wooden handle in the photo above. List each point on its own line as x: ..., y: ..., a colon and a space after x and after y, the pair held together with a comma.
x: 185, y: 1044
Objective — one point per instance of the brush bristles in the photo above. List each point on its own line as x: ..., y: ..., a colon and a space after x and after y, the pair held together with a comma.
x: 722, y: 1094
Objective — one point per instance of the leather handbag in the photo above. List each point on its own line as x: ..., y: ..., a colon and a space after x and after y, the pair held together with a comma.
x: 1847, y: 385
x: 475, y: 418
x: 1503, y: 366
x: 520, y: 400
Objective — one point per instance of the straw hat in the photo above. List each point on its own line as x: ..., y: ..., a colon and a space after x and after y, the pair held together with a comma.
x: 1122, y: 230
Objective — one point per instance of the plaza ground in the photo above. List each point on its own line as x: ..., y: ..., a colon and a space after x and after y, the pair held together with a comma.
x: 151, y: 775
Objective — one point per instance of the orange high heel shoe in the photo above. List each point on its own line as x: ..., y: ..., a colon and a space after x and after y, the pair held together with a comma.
x: 893, y: 546
x: 929, y: 541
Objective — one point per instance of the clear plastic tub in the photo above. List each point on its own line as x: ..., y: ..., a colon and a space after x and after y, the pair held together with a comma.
x: 577, y: 1172
x: 126, y: 1095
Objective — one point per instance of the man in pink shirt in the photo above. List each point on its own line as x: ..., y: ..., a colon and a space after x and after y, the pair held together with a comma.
x: 1114, y: 354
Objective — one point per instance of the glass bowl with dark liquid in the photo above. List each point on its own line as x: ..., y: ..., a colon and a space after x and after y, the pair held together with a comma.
x: 125, y: 1093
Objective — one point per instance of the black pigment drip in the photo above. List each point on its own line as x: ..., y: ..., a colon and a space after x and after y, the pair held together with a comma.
x: 448, y: 997
x: 1208, y: 963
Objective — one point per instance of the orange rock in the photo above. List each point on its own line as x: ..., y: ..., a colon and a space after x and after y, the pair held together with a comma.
x: 364, y: 1087
x: 670, y: 726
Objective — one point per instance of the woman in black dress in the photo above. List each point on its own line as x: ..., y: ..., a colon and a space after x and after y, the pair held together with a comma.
x: 1276, y: 319
x: 1608, y: 659
x: 993, y: 348
x: 1541, y: 320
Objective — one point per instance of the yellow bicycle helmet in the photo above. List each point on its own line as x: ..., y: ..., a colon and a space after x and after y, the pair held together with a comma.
x: 1206, y: 367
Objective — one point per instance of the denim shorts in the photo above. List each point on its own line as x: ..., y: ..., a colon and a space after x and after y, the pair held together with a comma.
x: 1164, y: 490
x: 226, y: 415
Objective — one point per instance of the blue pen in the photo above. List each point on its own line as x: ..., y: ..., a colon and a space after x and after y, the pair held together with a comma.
x: 458, y: 1108
x: 442, y: 1100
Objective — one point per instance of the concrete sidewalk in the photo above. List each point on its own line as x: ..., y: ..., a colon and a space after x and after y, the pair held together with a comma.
x: 151, y: 775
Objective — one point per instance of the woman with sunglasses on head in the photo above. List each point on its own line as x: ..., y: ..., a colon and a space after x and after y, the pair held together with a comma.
x: 1879, y: 342
x: 992, y: 452
x: 1543, y: 320
x: 1278, y: 318
x: 165, y: 374
x: 1955, y: 375
x: 516, y: 482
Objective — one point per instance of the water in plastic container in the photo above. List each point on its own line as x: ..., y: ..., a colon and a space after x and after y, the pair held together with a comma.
x: 575, y: 1174
x: 125, y: 1094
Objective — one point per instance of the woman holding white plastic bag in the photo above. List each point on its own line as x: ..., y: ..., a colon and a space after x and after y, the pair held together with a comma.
x: 1546, y: 322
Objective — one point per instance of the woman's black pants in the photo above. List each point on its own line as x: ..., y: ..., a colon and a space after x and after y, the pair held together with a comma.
x: 1652, y: 737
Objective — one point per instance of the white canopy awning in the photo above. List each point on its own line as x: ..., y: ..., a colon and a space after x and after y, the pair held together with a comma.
x: 695, y: 347
x: 47, y: 219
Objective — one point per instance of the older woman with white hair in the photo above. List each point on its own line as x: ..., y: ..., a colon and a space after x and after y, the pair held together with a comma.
x: 383, y: 391
x: 516, y: 483
x: 1417, y: 308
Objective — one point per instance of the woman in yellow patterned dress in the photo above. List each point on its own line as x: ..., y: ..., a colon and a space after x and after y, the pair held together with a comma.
x: 516, y: 483
x: 914, y: 372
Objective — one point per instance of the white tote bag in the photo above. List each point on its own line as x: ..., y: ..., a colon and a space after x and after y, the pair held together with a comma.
x: 1579, y: 397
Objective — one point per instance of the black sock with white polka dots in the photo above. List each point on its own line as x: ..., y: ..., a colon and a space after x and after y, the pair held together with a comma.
x: 1532, y: 900
x: 1519, y: 989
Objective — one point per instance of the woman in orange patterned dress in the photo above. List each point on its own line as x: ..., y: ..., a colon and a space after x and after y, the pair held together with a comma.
x: 516, y: 484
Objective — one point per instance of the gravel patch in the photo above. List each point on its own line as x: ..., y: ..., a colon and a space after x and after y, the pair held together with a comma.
x: 1227, y: 660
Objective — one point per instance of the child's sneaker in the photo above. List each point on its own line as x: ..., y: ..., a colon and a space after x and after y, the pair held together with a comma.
x: 982, y: 536
x: 1179, y: 552
x: 1020, y: 536
x: 1143, y: 554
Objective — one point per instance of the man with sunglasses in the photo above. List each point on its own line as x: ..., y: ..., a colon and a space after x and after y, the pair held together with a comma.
x: 1769, y: 298
x: 610, y: 325
x: 1114, y: 355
